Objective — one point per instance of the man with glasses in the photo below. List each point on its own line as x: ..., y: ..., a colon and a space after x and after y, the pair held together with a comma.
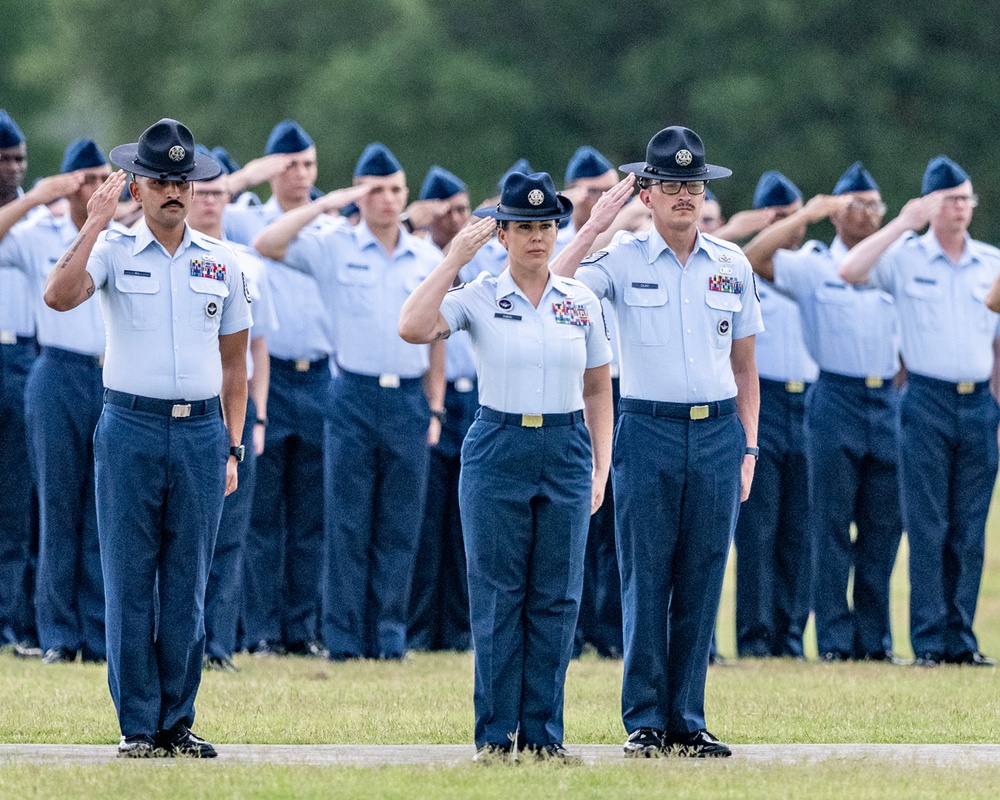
x: 851, y: 442
x: 686, y: 438
x: 948, y: 417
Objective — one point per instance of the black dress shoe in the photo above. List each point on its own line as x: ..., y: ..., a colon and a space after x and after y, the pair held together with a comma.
x: 27, y: 651
x: 551, y: 752
x: 306, y: 649
x: 831, y: 656
x: 887, y: 657
x: 59, y: 655
x: 138, y: 746
x: 219, y: 664
x: 180, y: 741
x: 928, y: 660
x: 266, y: 648
x: 490, y: 754
x: 972, y: 659
x: 700, y: 744
x: 344, y: 656
x: 644, y: 743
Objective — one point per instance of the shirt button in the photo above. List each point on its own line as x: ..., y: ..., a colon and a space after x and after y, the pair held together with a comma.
x: 686, y: 300
x: 691, y: 360
x: 689, y: 330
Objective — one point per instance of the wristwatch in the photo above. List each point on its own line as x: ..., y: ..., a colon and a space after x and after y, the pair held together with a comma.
x: 239, y: 452
x: 752, y: 451
x: 439, y: 414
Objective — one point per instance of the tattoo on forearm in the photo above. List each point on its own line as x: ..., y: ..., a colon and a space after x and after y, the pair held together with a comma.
x: 67, y: 257
x: 90, y: 290
x: 442, y: 335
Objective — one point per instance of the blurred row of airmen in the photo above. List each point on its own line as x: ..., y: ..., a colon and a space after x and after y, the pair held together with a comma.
x: 841, y: 440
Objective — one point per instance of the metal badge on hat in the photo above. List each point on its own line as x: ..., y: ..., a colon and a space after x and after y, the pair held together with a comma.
x: 535, y: 197
x: 683, y: 157
x: 176, y: 153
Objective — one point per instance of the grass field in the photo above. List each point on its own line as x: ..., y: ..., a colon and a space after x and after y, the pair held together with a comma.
x: 427, y: 699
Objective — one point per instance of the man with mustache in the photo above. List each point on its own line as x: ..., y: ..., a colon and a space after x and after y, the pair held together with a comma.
x: 686, y: 439
x: 167, y: 446
x: 62, y: 406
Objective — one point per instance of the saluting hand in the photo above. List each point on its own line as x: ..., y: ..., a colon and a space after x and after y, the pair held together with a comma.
x: 338, y: 198
x: 917, y: 213
x: 824, y: 205
x: 54, y: 187
x: 477, y: 232
x: 104, y: 202
x: 606, y: 209
x: 263, y: 169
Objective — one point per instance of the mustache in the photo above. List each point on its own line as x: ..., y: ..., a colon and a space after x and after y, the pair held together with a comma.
x: 169, y: 203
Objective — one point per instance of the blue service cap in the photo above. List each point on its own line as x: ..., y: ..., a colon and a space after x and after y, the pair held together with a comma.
x: 855, y: 179
x: 521, y: 165
x: 377, y: 160
x: 587, y: 163
x: 10, y: 134
x: 710, y: 196
x: 82, y: 154
x: 287, y: 137
x: 942, y: 173
x: 220, y: 154
x: 441, y: 185
x: 350, y: 210
x: 774, y: 189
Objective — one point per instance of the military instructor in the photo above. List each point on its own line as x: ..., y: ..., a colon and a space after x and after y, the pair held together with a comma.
x: 176, y: 311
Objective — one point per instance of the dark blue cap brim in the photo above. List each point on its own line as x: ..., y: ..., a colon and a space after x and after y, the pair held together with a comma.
x: 501, y: 214
x: 639, y: 169
x: 205, y: 167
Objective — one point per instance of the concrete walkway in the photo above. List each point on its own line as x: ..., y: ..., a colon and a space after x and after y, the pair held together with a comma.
x: 946, y: 755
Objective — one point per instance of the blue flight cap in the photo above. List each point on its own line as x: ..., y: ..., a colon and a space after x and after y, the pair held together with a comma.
x: 287, y: 137
x: 774, y: 189
x: 710, y: 196
x: 10, y: 134
x: 220, y: 154
x: 587, y: 163
x: 350, y: 210
x: 377, y: 161
x: 855, y: 179
x: 82, y: 154
x: 521, y: 165
x: 315, y: 194
x: 942, y: 173
x: 441, y: 185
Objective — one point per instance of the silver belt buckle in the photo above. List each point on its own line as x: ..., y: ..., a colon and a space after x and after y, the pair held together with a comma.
x: 180, y: 410
x: 463, y: 385
x: 388, y: 381
x: 302, y: 364
x: 8, y: 337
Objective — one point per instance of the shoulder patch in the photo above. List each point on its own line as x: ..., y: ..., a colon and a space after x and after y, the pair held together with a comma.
x: 593, y: 258
x: 246, y: 288
x: 456, y: 288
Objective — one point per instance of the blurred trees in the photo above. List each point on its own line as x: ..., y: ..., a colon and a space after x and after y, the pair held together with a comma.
x: 806, y: 88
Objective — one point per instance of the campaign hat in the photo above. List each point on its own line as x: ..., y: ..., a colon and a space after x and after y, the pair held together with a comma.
x: 526, y: 198
x: 166, y: 151
x: 676, y: 154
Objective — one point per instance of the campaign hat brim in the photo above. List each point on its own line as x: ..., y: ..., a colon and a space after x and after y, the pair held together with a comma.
x: 503, y: 213
x: 205, y: 168
x: 642, y: 170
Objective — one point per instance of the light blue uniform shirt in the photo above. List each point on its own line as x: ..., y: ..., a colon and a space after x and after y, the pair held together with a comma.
x: 364, y: 289
x: 304, y: 330
x: 34, y: 247
x: 530, y: 360
x: 265, y: 323
x: 17, y: 306
x: 676, y: 323
x: 947, y: 331
x: 780, y: 349
x: 850, y: 330
x: 163, y: 314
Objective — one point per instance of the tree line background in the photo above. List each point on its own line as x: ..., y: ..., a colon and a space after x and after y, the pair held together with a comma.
x: 803, y: 87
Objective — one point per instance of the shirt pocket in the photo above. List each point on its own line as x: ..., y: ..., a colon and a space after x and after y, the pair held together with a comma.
x: 356, y: 288
x: 647, y: 320
x: 721, y: 307
x: 925, y: 300
x: 834, y: 308
x: 140, y: 293
x: 207, y: 298
x: 984, y: 319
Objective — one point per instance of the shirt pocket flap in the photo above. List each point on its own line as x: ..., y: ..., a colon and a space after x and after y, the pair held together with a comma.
x: 922, y: 290
x: 645, y: 295
x: 210, y: 286
x: 724, y: 301
x: 137, y: 284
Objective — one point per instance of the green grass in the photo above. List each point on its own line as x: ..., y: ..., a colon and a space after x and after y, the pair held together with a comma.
x: 427, y: 699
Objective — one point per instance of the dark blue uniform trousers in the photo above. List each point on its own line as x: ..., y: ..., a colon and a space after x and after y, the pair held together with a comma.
x: 525, y: 498
x: 284, y: 550
x: 948, y: 461
x: 375, y: 481
x: 62, y: 406
x: 774, y: 547
x: 439, y: 593
x: 225, y: 580
x: 677, y: 492
x: 15, y: 491
x: 160, y: 488
x: 853, y: 451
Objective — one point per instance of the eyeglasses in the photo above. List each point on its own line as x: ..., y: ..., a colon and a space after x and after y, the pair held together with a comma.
x: 868, y: 205
x: 211, y: 194
x: 961, y: 199
x: 673, y: 187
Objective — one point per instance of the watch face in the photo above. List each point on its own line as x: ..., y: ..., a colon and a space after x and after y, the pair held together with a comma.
x: 239, y: 452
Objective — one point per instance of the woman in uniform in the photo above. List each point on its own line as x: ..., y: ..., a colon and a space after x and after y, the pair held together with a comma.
x: 534, y: 463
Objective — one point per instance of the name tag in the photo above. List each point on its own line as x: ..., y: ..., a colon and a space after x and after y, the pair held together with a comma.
x: 927, y: 281
x: 358, y: 266
x: 498, y: 315
x: 645, y: 286
x: 138, y: 272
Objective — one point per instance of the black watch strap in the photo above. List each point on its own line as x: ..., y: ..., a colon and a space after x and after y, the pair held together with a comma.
x: 239, y: 452
x: 753, y: 451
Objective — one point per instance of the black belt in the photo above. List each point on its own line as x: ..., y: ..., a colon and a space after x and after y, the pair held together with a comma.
x: 301, y: 364
x: 177, y: 409
x: 69, y: 357
x: 530, y: 420
x: 659, y: 408
x: 789, y: 387
x: 868, y: 382
x: 951, y: 387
